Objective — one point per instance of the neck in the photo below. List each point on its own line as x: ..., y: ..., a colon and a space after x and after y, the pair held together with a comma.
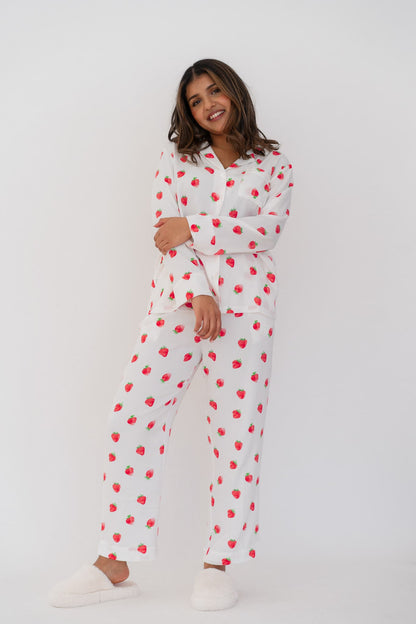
x: 220, y: 141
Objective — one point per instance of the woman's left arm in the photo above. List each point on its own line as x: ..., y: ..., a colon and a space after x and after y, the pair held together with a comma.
x: 223, y: 234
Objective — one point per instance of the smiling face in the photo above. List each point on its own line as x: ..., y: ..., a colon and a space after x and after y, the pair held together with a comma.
x: 210, y: 107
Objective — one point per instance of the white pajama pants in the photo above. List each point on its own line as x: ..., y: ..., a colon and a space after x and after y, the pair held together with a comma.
x: 237, y: 368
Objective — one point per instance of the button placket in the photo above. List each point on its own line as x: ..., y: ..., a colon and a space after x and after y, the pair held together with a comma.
x: 222, y: 185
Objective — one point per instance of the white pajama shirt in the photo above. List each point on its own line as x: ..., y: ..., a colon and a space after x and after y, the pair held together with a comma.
x: 235, y: 215
x: 242, y: 211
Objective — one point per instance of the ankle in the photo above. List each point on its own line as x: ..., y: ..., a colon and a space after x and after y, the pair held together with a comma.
x: 107, y: 562
x: 212, y: 565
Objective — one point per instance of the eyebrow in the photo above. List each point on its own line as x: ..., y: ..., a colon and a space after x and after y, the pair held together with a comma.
x: 196, y: 94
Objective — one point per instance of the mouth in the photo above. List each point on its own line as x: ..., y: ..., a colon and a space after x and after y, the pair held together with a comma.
x: 216, y: 115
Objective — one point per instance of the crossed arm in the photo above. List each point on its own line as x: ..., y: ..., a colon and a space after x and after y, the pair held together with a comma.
x: 224, y: 234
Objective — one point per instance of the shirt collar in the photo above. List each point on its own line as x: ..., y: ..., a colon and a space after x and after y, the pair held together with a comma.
x: 209, y: 157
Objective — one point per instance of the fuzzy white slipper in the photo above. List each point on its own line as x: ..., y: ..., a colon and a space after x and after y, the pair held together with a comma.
x: 213, y: 589
x: 89, y: 585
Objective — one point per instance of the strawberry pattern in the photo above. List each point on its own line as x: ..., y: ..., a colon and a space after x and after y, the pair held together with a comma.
x: 237, y: 368
x: 236, y: 216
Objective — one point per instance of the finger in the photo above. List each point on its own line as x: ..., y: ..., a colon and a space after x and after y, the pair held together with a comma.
x: 217, y: 329
x: 204, y: 333
x: 198, y: 321
x: 214, y: 331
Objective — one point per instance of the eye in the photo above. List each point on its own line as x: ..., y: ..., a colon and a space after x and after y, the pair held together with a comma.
x: 216, y: 90
x: 195, y: 102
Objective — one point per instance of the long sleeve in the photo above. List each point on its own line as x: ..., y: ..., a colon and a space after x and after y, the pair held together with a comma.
x: 186, y: 276
x: 225, y: 235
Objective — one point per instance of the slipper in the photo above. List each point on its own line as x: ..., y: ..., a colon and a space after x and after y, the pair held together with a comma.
x: 89, y: 585
x: 213, y: 590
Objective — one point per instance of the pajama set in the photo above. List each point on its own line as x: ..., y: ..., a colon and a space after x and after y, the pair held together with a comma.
x: 236, y: 215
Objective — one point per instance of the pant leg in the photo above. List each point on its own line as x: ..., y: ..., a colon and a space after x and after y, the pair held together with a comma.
x: 164, y: 360
x: 238, y: 366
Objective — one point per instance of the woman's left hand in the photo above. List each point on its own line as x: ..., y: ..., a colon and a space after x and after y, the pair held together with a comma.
x: 172, y: 231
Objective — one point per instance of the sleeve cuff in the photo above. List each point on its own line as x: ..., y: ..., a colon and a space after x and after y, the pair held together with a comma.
x: 202, y: 232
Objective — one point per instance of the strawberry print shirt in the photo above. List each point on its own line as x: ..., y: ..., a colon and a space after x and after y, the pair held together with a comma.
x: 235, y: 214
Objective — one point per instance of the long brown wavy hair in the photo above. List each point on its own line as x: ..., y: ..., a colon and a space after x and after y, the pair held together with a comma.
x: 242, y: 132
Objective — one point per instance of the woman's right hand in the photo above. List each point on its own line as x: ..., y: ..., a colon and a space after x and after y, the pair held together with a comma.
x: 207, y: 314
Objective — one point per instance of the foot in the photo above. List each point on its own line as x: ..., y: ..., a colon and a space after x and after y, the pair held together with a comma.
x: 212, y: 591
x: 117, y: 571
x: 211, y: 565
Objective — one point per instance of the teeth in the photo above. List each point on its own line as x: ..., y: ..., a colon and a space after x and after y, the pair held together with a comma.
x: 215, y: 115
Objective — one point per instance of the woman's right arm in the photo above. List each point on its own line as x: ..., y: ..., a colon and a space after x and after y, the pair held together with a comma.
x: 188, y: 279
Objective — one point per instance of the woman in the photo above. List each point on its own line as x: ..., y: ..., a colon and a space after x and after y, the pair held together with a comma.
x: 220, y: 199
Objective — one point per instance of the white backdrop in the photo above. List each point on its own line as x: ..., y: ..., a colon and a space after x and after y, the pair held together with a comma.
x: 87, y: 93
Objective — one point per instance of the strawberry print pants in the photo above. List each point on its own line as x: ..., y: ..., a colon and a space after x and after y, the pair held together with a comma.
x: 237, y: 369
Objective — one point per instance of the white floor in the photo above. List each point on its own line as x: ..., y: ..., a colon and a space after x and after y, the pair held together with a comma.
x: 275, y: 592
